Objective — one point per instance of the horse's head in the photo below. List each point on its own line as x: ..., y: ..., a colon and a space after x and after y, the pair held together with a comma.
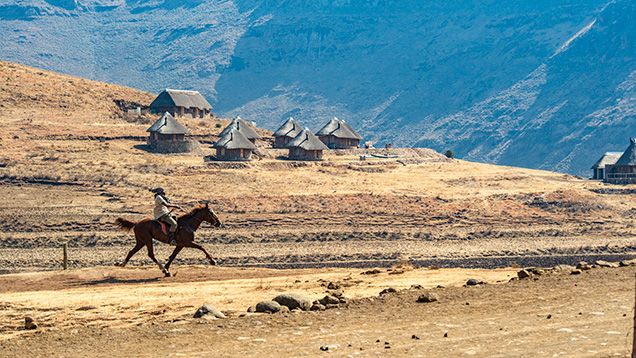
x: 210, y: 216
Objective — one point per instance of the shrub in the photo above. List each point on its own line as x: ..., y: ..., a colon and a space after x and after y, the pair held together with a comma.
x: 449, y: 154
x: 218, y: 125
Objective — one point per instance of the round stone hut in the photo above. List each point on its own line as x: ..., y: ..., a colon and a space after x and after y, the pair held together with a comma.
x: 244, y: 128
x: 286, y: 133
x: 234, y: 146
x: 306, y: 146
x: 337, y: 134
x: 169, y: 136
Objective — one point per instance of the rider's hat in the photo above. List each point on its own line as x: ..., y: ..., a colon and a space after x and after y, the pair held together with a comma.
x: 157, y: 190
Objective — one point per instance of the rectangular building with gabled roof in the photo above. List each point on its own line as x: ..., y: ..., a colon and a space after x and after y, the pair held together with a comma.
x: 181, y: 104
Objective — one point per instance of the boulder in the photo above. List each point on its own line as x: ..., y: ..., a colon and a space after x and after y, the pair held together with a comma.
x: 523, y: 274
x: 268, y: 306
x: 388, y: 290
x: 602, y: 263
x: 336, y: 293
x: 473, y: 282
x: 29, y: 323
x: 631, y: 262
x: 333, y: 286
x: 583, y: 266
x: 317, y: 307
x: 329, y: 300
x: 208, y: 310
x: 294, y: 301
x: 576, y: 272
x: 428, y: 297
x: 564, y: 268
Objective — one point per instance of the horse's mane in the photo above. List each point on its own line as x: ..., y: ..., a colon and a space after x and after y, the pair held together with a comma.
x: 192, y: 212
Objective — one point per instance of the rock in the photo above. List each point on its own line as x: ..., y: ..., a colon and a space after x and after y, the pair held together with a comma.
x: 268, y: 306
x: 564, y: 268
x: 29, y: 323
x: 336, y: 293
x: 523, y: 274
x: 428, y: 297
x: 583, y: 266
x: 576, y: 272
x: 331, y: 306
x: 251, y: 309
x: 631, y: 262
x: 371, y: 272
x: 333, y: 286
x: 330, y: 300
x: 317, y: 307
x: 537, y: 271
x: 293, y: 301
x: 602, y: 263
x: 387, y: 290
x: 473, y: 282
x: 342, y: 300
x: 208, y: 310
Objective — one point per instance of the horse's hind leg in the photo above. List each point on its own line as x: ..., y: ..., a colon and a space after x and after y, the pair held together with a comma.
x: 151, y: 254
x: 131, y: 253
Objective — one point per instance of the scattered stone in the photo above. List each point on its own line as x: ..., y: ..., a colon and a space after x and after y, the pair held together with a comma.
x: 473, y: 282
x: 331, y: 306
x: 445, y: 334
x: 628, y: 262
x: 317, y: 307
x: 387, y: 290
x: 293, y: 301
x: 371, y: 272
x: 251, y: 309
x: 428, y: 297
x: 324, y: 349
x: 268, y: 306
x: 564, y: 268
x: 29, y: 323
x: 333, y: 286
x: 433, y: 267
x: 602, y: 263
x: 537, y: 271
x: 415, y: 337
x: 342, y: 300
x: 416, y: 287
x: 329, y: 300
x: 336, y: 293
x: 209, y: 310
x: 583, y: 266
x: 523, y: 274
x: 576, y: 272
x: 549, y: 316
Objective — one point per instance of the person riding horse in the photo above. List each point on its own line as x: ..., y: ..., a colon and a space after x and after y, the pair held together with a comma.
x: 162, y: 203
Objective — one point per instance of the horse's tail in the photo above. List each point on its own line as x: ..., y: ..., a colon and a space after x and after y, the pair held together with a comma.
x: 125, y: 224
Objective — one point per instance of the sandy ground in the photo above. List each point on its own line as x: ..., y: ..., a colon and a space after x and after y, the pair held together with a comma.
x: 105, y: 312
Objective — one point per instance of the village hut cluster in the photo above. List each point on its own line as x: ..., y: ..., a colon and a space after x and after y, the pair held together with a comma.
x: 617, y: 168
x: 237, y: 141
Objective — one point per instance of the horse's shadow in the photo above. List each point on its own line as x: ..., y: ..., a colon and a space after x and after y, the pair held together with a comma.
x: 111, y: 280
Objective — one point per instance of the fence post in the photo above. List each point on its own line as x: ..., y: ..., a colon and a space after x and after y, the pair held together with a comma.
x: 65, y: 249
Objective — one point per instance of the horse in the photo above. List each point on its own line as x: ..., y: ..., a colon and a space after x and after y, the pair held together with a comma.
x: 147, y: 229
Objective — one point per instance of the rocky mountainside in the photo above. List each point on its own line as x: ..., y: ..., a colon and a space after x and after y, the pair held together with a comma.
x: 538, y: 84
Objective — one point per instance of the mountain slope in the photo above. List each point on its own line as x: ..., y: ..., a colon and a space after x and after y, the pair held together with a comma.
x: 537, y: 84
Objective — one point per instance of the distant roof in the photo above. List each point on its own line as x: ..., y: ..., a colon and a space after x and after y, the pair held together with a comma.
x: 168, y: 125
x: 234, y: 139
x: 289, y: 129
x: 307, y: 141
x: 629, y: 157
x: 338, y: 129
x: 243, y: 127
x: 609, y: 158
x: 179, y: 98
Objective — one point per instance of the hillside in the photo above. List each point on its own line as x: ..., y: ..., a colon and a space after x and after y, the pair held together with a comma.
x: 540, y: 85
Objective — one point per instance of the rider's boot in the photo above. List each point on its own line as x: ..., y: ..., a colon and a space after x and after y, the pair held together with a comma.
x: 172, y: 238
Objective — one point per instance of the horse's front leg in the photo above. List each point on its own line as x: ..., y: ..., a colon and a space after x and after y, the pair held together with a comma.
x: 197, y: 246
x: 174, y: 254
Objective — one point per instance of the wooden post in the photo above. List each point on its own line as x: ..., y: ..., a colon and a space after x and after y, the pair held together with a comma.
x: 65, y: 249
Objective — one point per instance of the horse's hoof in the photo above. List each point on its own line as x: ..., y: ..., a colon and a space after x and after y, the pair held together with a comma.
x: 119, y: 264
x: 168, y: 274
x: 213, y: 263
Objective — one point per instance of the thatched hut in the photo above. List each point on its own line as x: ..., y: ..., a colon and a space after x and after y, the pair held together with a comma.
x: 169, y: 136
x: 286, y: 133
x: 624, y: 170
x: 234, y: 146
x: 306, y: 146
x: 599, y: 168
x: 243, y: 127
x: 338, y: 134
x: 181, y: 104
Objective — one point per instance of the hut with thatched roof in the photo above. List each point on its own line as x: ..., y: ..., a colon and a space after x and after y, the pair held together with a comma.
x: 243, y: 127
x: 337, y: 134
x: 306, y: 146
x: 286, y: 133
x: 609, y: 158
x: 169, y: 136
x: 624, y: 170
x: 181, y: 104
x: 234, y: 146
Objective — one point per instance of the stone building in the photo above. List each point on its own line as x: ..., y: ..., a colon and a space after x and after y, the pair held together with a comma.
x: 624, y: 170
x: 243, y: 127
x: 609, y: 158
x: 306, y: 146
x: 234, y: 146
x: 286, y: 133
x: 181, y: 104
x: 169, y: 136
x: 337, y: 134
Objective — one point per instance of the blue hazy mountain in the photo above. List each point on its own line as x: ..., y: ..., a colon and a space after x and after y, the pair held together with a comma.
x: 540, y: 84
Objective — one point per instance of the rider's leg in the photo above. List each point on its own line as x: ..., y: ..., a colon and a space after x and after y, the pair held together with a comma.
x: 172, y: 239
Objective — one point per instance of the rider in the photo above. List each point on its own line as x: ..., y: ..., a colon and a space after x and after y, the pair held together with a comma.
x: 163, y: 214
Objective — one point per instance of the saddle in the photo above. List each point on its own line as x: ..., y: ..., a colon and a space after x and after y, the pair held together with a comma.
x: 164, y: 226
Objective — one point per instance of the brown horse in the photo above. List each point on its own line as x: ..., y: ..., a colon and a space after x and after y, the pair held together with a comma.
x: 147, y: 229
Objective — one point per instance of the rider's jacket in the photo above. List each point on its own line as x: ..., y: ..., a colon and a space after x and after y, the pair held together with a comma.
x: 160, y: 206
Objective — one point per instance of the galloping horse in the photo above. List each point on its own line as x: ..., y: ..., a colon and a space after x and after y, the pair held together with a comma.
x: 147, y: 229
